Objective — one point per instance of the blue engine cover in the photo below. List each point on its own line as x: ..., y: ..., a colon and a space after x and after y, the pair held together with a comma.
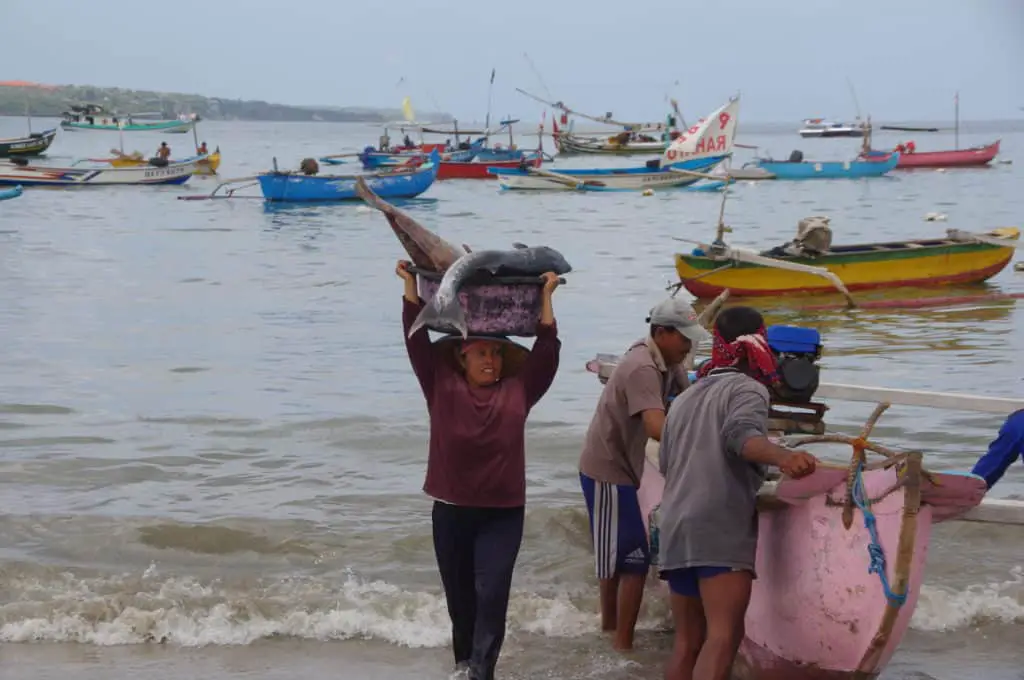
x: 794, y: 340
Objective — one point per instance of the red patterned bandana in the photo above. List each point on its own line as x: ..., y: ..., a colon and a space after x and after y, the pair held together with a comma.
x: 754, y: 348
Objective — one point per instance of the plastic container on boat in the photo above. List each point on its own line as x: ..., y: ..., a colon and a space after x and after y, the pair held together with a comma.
x: 794, y: 339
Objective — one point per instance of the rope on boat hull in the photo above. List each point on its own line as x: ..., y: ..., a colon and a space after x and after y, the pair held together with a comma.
x: 875, y: 550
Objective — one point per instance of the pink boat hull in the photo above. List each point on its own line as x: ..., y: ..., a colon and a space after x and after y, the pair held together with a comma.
x: 816, y: 613
x: 958, y: 158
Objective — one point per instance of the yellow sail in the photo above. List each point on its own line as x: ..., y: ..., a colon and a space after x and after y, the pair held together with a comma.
x: 407, y: 110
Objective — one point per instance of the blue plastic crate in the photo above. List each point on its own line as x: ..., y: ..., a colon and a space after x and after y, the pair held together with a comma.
x: 794, y: 339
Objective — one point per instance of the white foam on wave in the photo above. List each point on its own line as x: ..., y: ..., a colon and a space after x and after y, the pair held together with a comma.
x: 182, y: 611
x: 139, y: 609
x: 944, y: 609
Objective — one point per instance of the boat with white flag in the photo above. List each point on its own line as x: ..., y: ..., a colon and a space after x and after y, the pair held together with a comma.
x: 687, y: 160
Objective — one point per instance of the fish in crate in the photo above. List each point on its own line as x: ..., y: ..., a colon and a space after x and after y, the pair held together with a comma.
x: 489, y: 292
x: 485, y: 292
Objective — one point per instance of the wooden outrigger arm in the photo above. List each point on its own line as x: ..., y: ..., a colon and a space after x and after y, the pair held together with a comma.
x: 230, y: 192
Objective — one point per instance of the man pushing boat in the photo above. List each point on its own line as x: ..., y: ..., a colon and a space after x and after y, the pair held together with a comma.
x: 1007, y: 447
x: 631, y: 410
x: 713, y: 451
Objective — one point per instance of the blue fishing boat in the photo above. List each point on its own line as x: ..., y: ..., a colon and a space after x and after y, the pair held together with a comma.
x: 6, y: 194
x: 797, y: 168
x: 373, y: 159
x: 499, y: 153
x: 398, y: 183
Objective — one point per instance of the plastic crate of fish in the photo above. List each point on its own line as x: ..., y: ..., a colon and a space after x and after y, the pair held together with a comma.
x: 493, y: 305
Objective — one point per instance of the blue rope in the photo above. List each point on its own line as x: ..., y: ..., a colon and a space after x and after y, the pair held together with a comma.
x: 875, y: 551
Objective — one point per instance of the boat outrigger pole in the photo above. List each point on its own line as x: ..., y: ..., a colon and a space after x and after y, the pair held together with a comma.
x: 565, y: 109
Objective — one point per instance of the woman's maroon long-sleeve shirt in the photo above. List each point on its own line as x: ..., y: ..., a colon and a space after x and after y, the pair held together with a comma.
x: 477, y: 434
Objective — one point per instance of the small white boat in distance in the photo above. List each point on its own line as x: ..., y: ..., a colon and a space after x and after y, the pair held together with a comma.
x: 822, y: 127
x: 20, y: 172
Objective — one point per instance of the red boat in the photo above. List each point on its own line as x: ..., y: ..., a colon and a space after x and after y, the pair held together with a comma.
x: 959, y: 158
x: 478, y: 170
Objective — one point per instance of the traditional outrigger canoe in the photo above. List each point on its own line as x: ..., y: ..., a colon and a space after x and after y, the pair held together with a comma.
x: 644, y: 141
x: 973, y: 157
x: 959, y: 258
x: 307, y: 186
x: 841, y: 554
x: 206, y: 166
x: 631, y: 139
x: 976, y: 156
x: 32, y: 145
x: 44, y: 175
x: 686, y: 161
x: 797, y: 168
x: 401, y: 183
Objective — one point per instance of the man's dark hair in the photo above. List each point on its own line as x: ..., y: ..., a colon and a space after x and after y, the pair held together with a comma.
x: 737, y: 321
x: 654, y: 329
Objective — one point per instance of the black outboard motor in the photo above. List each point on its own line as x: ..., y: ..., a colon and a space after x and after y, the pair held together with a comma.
x: 797, y: 156
x: 797, y: 351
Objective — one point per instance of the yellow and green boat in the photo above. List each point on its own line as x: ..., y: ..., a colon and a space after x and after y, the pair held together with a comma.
x: 959, y: 258
x: 207, y: 166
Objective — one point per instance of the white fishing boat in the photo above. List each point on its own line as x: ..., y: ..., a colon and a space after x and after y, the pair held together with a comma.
x: 684, y: 162
x: 822, y: 127
x: 16, y: 172
x: 629, y: 139
x: 96, y: 118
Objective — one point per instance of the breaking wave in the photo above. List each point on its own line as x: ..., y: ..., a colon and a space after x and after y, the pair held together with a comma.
x: 60, y: 606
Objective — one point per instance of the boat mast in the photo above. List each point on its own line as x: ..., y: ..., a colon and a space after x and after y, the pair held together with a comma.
x: 487, y: 120
x: 856, y: 104
x: 956, y: 120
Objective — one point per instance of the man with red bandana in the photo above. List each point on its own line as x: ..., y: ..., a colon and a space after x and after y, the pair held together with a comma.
x: 713, y: 451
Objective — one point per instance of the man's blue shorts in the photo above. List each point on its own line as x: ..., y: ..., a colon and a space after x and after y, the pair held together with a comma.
x: 617, y: 528
x: 686, y: 581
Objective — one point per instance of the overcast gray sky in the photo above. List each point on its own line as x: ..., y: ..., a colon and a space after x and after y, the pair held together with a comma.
x: 789, y: 58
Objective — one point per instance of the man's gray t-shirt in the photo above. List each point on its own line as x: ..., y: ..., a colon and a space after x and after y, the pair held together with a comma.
x: 708, y: 512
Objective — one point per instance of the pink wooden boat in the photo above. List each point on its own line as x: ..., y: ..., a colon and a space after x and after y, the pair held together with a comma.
x: 820, y: 609
x: 958, y: 158
x: 816, y: 612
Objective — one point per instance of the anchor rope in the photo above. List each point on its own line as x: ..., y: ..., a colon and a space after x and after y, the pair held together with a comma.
x: 875, y: 550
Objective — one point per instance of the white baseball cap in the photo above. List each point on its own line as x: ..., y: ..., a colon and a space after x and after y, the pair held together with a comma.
x: 677, y: 314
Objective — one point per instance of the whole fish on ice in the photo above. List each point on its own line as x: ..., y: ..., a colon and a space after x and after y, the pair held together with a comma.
x: 444, y: 313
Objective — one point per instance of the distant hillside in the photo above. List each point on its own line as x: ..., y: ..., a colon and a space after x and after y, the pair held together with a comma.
x: 49, y: 100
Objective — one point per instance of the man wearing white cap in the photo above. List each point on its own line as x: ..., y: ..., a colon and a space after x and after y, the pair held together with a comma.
x: 631, y: 409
